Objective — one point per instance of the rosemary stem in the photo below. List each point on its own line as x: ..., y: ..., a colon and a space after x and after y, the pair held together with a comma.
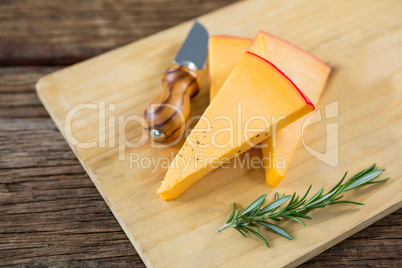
x: 227, y: 225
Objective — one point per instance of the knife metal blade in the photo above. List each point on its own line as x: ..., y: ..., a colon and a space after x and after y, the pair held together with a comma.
x: 195, y: 48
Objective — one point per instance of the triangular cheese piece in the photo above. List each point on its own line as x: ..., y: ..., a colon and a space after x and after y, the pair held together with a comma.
x: 223, y: 54
x: 310, y: 75
x: 254, y: 96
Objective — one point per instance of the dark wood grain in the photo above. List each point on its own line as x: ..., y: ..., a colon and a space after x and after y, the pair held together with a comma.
x: 50, y: 212
x: 41, y: 32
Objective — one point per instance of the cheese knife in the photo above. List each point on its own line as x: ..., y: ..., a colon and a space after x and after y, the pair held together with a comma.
x: 167, y: 113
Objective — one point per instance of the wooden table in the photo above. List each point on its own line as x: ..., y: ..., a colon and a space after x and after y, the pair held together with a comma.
x: 50, y: 212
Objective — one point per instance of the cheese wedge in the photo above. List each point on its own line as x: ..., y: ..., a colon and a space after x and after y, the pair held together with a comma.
x: 306, y: 71
x: 310, y: 75
x: 255, y: 97
x: 223, y: 54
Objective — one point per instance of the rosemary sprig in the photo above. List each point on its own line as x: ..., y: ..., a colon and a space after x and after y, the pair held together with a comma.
x: 297, y: 208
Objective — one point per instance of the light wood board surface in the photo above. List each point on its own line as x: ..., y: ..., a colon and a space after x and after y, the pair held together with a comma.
x: 362, y: 40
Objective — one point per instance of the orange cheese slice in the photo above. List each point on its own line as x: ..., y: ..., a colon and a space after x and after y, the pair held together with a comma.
x: 255, y: 95
x: 310, y: 75
x: 223, y: 54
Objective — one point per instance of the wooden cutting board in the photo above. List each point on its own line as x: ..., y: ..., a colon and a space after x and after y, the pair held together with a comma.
x: 362, y: 40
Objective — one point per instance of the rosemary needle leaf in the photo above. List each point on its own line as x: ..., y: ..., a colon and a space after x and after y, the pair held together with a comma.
x: 339, y: 197
x: 372, y: 182
x: 232, y: 214
x: 318, y: 206
x: 258, y: 228
x: 346, y: 201
x: 273, y: 206
x: 242, y: 228
x: 274, y: 219
x: 295, y: 219
x: 290, y: 202
x: 315, y: 197
x: 322, y: 198
x: 254, y: 206
x: 339, y: 183
x: 296, y: 209
x: 240, y: 231
x: 308, y: 190
x: 257, y: 235
x: 276, y: 229
x: 303, y: 199
x: 366, y: 178
x: 301, y: 215
x: 237, y: 214
x: 363, y: 172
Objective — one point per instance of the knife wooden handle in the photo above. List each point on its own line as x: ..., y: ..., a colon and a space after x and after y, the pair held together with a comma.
x: 170, y: 109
